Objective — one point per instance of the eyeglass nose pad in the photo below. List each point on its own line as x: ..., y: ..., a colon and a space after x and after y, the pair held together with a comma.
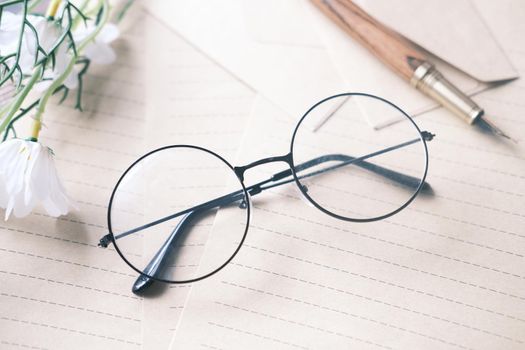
x: 246, y: 203
x: 302, y: 194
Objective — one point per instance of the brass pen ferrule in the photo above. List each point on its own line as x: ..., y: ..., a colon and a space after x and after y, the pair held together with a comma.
x: 430, y: 81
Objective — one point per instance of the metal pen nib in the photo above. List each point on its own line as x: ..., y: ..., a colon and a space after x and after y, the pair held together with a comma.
x: 487, y: 124
x: 429, y: 80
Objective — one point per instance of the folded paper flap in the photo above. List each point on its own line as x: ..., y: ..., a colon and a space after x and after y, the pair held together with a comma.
x: 290, y: 66
x: 294, y: 72
x: 451, y: 30
x: 284, y: 29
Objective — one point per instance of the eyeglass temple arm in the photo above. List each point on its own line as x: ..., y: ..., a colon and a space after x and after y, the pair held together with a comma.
x: 214, y: 203
x: 403, y: 179
x: 257, y: 188
x: 360, y: 162
x: 159, y: 261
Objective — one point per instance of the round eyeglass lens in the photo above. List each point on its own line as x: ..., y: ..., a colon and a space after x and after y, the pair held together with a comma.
x: 172, y: 204
x: 352, y: 168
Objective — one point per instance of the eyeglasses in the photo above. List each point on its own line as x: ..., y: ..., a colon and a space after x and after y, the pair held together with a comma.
x: 166, y: 205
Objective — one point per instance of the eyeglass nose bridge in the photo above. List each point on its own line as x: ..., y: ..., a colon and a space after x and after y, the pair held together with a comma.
x: 240, y: 170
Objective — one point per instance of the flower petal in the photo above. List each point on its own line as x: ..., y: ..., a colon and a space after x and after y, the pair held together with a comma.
x: 109, y: 33
x: 71, y: 81
x: 83, y: 31
x: 100, y: 53
x: 16, y: 170
x: 58, y: 202
x: 39, y: 23
x: 34, y: 174
x: 43, y: 85
x: 21, y: 208
x: 27, y: 177
x: 4, y: 197
x: 9, y: 27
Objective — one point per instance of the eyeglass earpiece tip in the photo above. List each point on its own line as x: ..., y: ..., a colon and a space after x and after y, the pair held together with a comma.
x: 104, y: 241
x: 141, y: 284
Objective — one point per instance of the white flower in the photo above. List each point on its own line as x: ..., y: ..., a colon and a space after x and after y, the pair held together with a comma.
x: 48, y: 33
x: 98, y: 50
x: 28, y: 177
x: 62, y: 59
x: 9, y: 29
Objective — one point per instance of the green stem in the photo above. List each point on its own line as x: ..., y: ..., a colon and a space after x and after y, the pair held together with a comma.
x: 101, y: 24
x: 9, y: 3
x: 124, y: 10
x: 19, y: 46
x: 4, y: 109
x: 33, y: 5
x: 60, y: 80
x: 93, y: 11
x: 77, y: 18
x: 52, y: 9
x: 15, y: 105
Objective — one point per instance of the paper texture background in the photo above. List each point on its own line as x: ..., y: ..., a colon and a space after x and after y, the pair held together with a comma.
x: 191, y: 100
x: 253, y: 38
x: 445, y: 273
x: 301, y: 70
x: 59, y: 290
x: 431, y: 25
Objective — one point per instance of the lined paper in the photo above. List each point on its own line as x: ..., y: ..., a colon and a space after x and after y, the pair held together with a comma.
x: 447, y: 272
x: 77, y: 291
x: 59, y: 290
x: 191, y: 100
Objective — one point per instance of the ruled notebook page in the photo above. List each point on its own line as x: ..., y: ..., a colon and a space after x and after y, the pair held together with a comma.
x: 447, y: 272
x: 59, y: 290
x: 191, y: 100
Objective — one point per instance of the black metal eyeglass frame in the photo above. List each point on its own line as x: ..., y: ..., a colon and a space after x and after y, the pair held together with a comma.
x: 158, y: 262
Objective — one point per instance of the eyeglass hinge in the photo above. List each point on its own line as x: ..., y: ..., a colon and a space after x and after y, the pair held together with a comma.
x: 427, y: 135
x: 104, y: 241
x: 254, y: 190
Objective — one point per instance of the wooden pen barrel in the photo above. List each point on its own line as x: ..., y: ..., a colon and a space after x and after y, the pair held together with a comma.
x: 388, y: 46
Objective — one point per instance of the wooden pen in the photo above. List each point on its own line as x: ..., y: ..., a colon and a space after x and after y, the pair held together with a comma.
x: 402, y: 57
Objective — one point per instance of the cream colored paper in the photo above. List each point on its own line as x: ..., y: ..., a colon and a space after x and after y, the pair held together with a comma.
x: 447, y: 29
x: 59, y: 290
x: 463, y: 34
x: 253, y: 38
x: 288, y: 65
x: 160, y: 91
x: 365, y: 73
x: 191, y: 100
x: 447, y: 272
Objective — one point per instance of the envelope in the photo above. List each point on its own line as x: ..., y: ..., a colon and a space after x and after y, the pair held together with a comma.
x: 286, y: 62
x: 454, y: 30
x: 294, y: 56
